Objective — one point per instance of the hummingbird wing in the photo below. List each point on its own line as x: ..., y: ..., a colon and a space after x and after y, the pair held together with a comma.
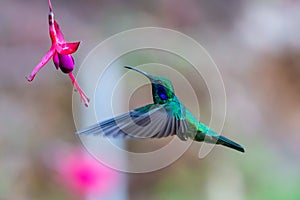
x: 150, y: 121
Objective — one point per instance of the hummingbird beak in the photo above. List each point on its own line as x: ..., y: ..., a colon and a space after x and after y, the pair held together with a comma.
x: 140, y: 71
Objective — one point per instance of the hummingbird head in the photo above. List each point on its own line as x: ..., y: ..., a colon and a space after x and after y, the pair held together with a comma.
x: 162, y: 88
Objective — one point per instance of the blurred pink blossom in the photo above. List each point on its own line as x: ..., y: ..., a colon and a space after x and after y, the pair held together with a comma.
x: 84, y: 175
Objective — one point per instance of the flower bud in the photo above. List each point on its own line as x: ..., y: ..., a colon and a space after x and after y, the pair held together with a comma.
x: 64, y: 62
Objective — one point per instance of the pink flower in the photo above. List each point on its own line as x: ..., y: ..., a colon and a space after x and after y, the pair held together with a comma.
x: 84, y: 175
x: 60, y: 52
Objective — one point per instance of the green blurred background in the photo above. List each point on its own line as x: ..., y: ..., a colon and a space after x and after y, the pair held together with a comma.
x: 256, y: 47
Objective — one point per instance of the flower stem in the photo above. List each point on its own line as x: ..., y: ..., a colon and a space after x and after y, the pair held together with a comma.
x: 50, y: 5
x: 83, y: 96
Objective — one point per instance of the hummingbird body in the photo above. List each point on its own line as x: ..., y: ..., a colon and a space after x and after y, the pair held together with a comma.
x: 166, y: 116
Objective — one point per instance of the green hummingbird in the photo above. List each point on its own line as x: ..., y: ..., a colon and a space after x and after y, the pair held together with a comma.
x: 165, y: 117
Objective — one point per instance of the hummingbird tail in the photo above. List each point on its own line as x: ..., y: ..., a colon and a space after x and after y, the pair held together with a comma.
x: 228, y: 143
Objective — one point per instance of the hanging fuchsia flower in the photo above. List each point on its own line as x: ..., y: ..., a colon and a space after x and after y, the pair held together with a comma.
x: 60, y: 52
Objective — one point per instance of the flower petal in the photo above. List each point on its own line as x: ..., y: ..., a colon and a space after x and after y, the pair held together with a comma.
x: 44, y: 60
x: 56, y: 60
x: 66, y: 63
x: 59, y: 35
x: 67, y: 48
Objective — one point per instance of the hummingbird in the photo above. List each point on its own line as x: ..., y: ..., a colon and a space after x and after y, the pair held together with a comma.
x: 166, y: 116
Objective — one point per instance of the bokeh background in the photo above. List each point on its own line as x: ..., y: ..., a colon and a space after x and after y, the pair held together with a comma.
x: 257, y: 49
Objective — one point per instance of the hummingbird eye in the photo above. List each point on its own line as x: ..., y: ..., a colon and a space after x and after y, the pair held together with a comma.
x: 159, y: 82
